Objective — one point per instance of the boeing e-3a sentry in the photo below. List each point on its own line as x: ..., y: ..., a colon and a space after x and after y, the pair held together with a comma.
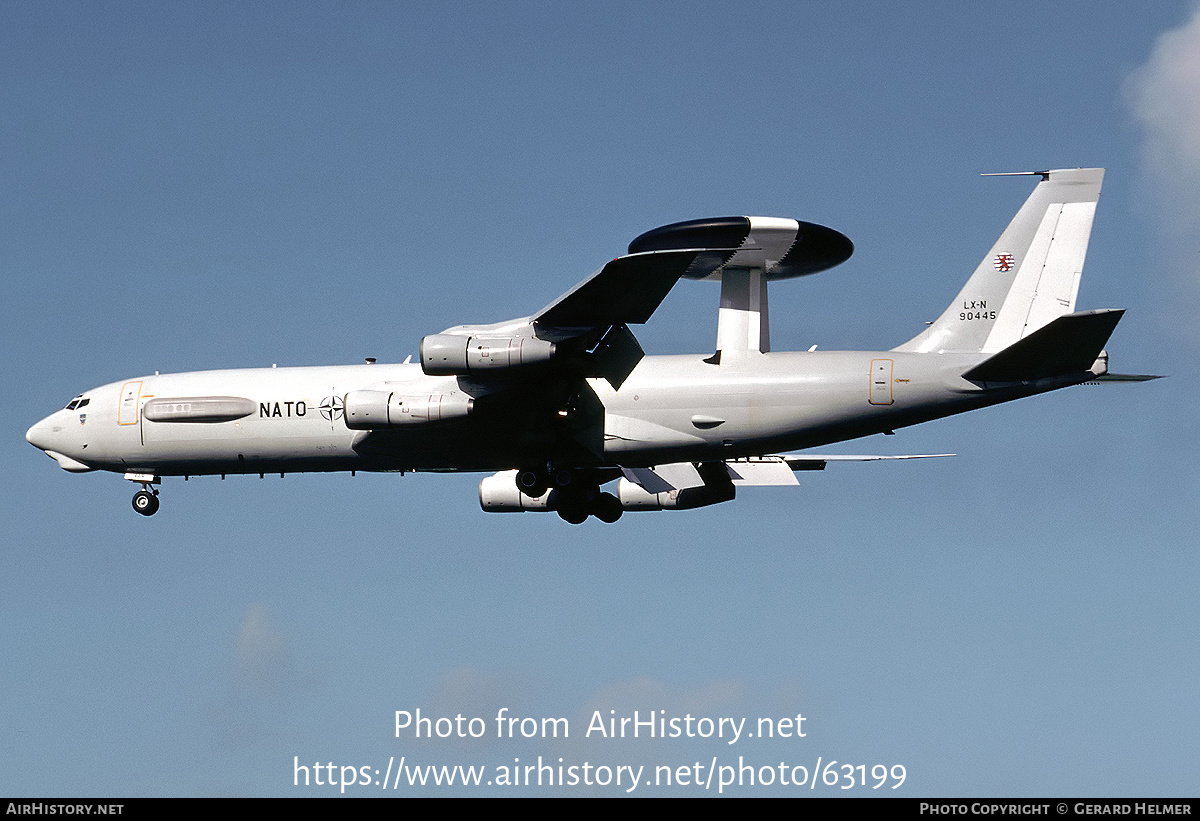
x: 560, y: 403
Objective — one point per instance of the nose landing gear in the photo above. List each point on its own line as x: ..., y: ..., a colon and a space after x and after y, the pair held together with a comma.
x: 145, y: 502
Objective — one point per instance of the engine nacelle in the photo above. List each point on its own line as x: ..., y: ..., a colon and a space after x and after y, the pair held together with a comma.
x: 370, y: 410
x: 451, y: 355
x: 499, y: 493
x: 634, y: 497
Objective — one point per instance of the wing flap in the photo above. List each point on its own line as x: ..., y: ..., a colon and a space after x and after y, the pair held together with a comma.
x: 664, y: 478
x: 764, y: 471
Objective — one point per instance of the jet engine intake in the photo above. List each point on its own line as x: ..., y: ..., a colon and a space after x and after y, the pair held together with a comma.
x: 370, y: 410
x: 499, y: 493
x: 452, y: 355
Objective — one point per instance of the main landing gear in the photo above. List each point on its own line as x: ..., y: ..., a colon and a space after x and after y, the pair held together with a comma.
x: 577, y: 494
x: 574, y: 508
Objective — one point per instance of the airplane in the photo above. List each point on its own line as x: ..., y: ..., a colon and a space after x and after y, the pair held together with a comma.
x: 560, y: 403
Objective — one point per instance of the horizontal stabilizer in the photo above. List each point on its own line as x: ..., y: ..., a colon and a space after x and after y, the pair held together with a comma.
x: 1125, y: 377
x: 1069, y: 344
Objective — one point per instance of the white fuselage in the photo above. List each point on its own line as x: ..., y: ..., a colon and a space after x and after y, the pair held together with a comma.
x: 671, y: 409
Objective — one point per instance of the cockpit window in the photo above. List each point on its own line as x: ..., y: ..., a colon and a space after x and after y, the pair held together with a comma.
x: 77, y: 402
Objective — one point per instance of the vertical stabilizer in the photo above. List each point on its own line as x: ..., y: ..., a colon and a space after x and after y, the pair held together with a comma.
x: 1031, y: 275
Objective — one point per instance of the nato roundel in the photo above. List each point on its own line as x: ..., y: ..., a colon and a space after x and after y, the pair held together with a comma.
x: 783, y: 248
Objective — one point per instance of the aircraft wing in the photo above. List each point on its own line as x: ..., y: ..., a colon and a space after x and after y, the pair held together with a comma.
x: 629, y: 289
x: 596, y: 313
x: 816, y: 461
x: 757, y: 471
x: 583, y: 333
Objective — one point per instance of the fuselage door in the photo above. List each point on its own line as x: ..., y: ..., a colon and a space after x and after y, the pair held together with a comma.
x: 131, y: 395
x: 881, y: 382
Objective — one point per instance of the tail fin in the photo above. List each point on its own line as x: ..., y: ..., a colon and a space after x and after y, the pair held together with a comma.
x: 1031, y: 275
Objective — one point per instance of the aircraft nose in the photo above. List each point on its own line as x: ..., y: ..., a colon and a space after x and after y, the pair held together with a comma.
x: 40, y: 435
x: 49, y: 435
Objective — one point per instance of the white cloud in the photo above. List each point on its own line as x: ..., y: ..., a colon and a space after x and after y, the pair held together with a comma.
x: 261, y: 651
x: 1164, y: 95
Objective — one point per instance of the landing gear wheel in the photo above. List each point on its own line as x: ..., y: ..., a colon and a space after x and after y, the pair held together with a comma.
x: 573, y: 508
x: 145, y: 503
x: 607, y: 508
x: 573, y: 514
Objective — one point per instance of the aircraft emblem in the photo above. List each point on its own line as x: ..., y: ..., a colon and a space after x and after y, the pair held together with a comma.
x: 331, y: 407
x: 1004, y: 262
x: 82, y: 418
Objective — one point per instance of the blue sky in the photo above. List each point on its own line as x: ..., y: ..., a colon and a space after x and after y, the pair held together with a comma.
x: 209, y: 185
